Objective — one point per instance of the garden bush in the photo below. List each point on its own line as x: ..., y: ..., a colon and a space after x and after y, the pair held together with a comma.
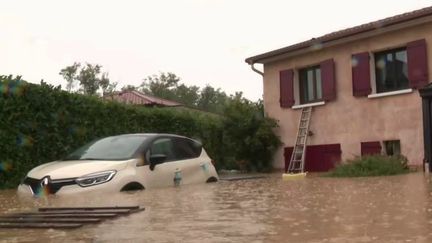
x: 42, y: 123
x: 371, y: 165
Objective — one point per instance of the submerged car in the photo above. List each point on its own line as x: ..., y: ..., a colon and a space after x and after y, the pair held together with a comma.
x: 123, y: 163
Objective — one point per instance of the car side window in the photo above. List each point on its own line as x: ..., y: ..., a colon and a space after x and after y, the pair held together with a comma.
x: 162, y: 146
x: 186, y: 148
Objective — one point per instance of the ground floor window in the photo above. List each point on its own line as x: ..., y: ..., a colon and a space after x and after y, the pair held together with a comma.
x: 392, y: 147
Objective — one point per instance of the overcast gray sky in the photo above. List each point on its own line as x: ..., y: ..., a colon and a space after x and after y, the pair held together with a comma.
x: 202, y: 41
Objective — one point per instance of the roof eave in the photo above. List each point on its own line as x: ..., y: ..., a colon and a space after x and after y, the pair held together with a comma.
x: 318, y: 44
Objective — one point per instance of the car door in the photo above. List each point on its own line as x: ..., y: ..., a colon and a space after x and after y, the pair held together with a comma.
x: 189, y: 163
x: 163, y: 174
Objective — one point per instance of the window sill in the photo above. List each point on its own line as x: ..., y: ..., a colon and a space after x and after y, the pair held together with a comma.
x: 397, y: 92
x: 308, y: 105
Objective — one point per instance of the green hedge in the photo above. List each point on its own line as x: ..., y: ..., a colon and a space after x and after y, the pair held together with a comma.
x: 371, y: 165
x: 41, y: 123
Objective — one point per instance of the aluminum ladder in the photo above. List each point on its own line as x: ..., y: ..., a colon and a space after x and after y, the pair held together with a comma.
x: 298, y: 155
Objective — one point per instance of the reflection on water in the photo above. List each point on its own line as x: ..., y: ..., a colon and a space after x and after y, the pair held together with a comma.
x: 384, y: 209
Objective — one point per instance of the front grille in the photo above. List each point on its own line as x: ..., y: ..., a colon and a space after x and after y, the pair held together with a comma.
x: 33, y: 183
x: 52, y: 187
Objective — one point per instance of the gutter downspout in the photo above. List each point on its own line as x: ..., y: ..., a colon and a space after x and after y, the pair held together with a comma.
x: 262, y: 75
x: 256, y: 70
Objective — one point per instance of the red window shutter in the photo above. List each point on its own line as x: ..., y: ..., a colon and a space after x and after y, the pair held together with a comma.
x: 417, y: 63
x: 361, y: 74
x: 369, y: 148
x: 328, y: 79
x: 286, y: 88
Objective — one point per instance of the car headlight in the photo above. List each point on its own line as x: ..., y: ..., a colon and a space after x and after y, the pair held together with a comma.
x: 23, y: 180
x: 95, y: 178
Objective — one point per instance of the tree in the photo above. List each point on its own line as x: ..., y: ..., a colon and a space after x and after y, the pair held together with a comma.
x: 167, y: 85
x: 69, y: 74
x: 212, y: 99
x: 187, y: 95
x: 90, y: 78
x: 161, y: 85
x: 129, y: 87
x: 249, y: 133
x: 106, y: 85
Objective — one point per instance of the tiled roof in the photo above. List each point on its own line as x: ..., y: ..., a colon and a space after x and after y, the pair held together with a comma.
x: 138, y: 98
x: 345, y: 33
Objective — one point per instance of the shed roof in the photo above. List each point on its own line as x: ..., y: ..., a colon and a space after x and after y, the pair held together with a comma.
x: 139, y: 98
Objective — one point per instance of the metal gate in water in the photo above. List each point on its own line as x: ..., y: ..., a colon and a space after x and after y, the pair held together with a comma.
x: 64, y: 217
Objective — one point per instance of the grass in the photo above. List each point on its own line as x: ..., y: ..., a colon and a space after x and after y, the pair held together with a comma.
x: 371, y: 165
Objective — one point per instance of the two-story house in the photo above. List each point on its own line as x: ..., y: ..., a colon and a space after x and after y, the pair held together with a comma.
x: 363, y: 85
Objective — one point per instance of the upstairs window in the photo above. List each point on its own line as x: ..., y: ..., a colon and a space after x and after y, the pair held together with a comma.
x: 391, y: 70
x: 310, y: 85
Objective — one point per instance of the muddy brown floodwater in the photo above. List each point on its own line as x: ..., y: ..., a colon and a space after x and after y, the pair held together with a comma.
x: 315, y: 209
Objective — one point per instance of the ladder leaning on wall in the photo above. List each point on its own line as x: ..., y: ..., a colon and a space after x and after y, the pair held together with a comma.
x: 298, y: 156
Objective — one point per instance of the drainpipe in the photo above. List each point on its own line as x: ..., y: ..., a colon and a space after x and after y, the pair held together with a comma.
x: 256, y: 70
x: 262, y: 75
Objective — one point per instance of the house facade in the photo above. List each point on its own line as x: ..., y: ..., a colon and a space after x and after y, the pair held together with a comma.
x: 363, y: 85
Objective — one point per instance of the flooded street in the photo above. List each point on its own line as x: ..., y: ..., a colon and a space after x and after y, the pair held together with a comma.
x: 316, y: 209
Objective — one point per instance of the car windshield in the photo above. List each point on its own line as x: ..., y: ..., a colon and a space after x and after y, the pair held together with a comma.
x: 111, y: 148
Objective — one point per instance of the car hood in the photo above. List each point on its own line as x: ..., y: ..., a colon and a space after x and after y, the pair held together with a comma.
x: 75, y: 168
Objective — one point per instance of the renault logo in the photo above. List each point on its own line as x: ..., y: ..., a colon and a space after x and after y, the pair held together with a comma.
x: 45, y: 181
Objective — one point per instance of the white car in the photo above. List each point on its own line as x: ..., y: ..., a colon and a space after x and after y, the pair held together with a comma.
x: 123, y: 163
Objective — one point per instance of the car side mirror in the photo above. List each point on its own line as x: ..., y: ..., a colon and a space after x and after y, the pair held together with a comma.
x: 156, y: 159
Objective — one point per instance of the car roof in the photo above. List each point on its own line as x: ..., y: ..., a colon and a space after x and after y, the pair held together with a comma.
x: 153, y: 135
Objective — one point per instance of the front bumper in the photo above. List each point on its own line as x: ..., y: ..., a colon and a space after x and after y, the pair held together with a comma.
x: 27, y: 190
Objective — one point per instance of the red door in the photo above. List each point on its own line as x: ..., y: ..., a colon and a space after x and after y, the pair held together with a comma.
x: 319, y: 158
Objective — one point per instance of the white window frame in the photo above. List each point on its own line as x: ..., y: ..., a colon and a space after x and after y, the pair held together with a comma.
x: 297, y: 104
x: 374, y: 93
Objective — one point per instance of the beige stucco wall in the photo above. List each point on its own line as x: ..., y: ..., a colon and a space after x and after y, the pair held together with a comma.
x: 349, y: 120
